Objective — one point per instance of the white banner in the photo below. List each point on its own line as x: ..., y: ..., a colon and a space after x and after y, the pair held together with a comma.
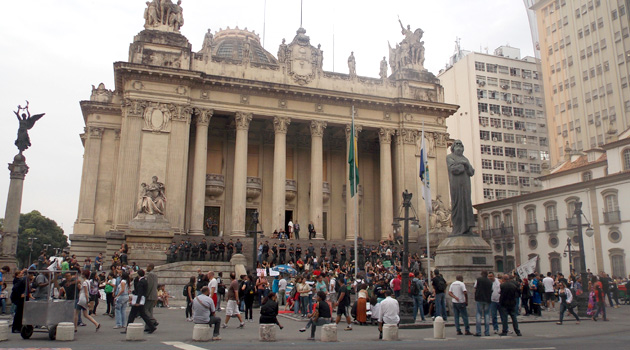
x: 527, y: 268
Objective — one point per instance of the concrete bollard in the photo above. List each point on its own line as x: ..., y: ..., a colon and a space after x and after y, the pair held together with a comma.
x: 438, y: 328
x: 329, y: 333
x: 390, y: 332
x: 135, y: 331
x: 65, y: 331
x: 202, y: 332
x: 267, y: 332
x: 4, y: 330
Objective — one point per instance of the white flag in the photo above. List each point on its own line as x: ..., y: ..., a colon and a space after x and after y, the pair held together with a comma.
x: 424, y: 174
x: 527, y: 268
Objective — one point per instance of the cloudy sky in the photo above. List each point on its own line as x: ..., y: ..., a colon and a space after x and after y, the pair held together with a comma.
x: 53, y: 51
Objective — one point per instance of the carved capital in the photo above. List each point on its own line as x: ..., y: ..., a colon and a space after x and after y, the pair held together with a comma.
x: 95, y: 132
x: 117, y: 134
x: 183, y: 113
x: 280, y: 124
x: 134, y: 108
x: 18, y: 168
x: 357, y: 130
x: 441, y: 138
x: 242, y: 120
x: 407, y: 136
x: 203, y: 116
x: 385, y: 135
x: 317, y: 128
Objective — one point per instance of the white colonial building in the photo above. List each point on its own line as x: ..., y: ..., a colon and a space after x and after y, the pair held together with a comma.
x: 542, y: 222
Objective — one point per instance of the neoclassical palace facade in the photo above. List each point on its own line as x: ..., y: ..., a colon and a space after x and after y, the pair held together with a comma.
x: 231, y: 128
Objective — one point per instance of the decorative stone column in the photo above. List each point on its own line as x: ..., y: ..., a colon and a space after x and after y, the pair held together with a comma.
x: 87, y: 197
x: 387, y: 215
x: 317, y: 177
x: 239, y: 185
x: 280, y: 125
x: 350, y: 221
x: 202, y: 121
x: 18, y: 169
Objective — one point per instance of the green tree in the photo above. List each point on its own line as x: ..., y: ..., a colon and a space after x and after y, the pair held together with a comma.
x: 45, y: 230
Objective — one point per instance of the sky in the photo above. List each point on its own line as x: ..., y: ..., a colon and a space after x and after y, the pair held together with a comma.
x: 54, y: 51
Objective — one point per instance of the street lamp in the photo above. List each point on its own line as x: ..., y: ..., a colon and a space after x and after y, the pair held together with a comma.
x: 30, y: 245
x: 582, y: 299
x: 568, y: 249
x: 405, y: 301
x: 255, y: 233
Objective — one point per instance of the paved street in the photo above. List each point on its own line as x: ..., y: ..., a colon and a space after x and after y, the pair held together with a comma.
x: 175, y: 333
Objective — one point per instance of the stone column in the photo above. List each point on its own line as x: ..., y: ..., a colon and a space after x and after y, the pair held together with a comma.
x: 12, y: 214
x: 239, y: 187
x: 350, y: 212
x: 127, y: 183
x: 280, y: 125
x: 177, y: 170
x: 317, y: 178
x: 387, y: 214
x: 202, y: 121
x: 87, y: 196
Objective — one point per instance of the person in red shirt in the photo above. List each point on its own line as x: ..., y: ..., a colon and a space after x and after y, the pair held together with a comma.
x: 396, y: 285
x: 599, y: 298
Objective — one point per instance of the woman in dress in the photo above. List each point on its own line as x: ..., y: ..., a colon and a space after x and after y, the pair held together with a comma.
x: 82, y: 305
x: 565, y: 296
x: 362, y: 304
x: 269, y: 310
x: 121, y: 300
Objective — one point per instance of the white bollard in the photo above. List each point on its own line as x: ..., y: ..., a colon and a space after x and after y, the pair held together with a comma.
x: 202, y: 332
x: 329, y: 333
x: 4, y: 330
x: 390, y: 332
x: 65, y: 331
x: 135, y: 331
x: 267, y: 332
x: 438, y: 328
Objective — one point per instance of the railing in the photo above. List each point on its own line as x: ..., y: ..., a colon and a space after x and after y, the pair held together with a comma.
x: 531, y: 228
x: 551, y: 225
x: 486, y: 234
x: 611, y: 217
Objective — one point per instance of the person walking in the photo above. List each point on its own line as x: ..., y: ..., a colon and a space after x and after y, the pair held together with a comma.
x: 82, y: 305
x: 565, y: 298
x: 152, y: 294
x: 458, y: 292
x: 138, y: 300
x: 507, y: 303
x: 204, y: 312
x: 600, y: 298
x: 483, y: 298
x: 439, y: 286
x: 232, y: 305
x: 247, y: 292
x: 343, y: 303
x: 121, y: 300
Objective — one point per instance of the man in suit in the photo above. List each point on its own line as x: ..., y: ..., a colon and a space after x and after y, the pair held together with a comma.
x: 137, y: 305
x: 152, y: 297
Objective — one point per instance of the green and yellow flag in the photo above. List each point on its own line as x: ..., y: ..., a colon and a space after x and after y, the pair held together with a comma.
x: 353, y: 160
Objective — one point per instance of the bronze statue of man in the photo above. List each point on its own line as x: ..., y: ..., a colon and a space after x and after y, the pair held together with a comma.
x: 27, y: 122
x: 459, y: 173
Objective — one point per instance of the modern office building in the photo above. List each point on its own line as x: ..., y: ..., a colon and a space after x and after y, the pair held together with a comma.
x: 585, y: 52
x: 501, y: 120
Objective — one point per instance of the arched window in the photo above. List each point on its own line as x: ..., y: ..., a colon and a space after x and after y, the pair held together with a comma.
x: 626, y: 159
x: 587, y: 175
x: 551, y: 212
x: 555, y: 262
x: 618, y: 261
x: 531, y: 215
x: 486, y: 222
x: 507, y: 218
x: 611, y: 202
x: 611, y: 207
x: 496, y: 220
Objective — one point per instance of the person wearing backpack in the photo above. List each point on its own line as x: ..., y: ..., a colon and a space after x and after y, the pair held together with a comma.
x: 415, y: 291
x: 439, y: 286
x: 93, y: 293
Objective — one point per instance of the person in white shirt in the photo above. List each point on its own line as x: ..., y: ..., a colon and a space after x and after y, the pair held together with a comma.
x: 548, y: 283
x: 213, y: 286
x: 458, y: 292
x: 203, y: 311
x: 332, y: 292
x: 282, y: 288
x: 494, y: 305
x: 388, y: 313
x: 290, y: 233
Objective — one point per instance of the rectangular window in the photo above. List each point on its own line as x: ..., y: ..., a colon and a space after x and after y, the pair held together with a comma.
x: 483, y: 107
x: 499, y: 165
x: 518, y: 112
x: 486, y: 149
x: 495, y: 122
x: 487, y: 179
x: 516, y: 85
x: 508, y: 124
x: 488, y: 193
x: 504, y: 70
x: 492, y: 81
x: 523, y: 181
x: 480, y: 66
x: 543, y: 141
x: 484, y: 135
x: 499, y: 179
x: 483, y: 121
x: 495, y: 109
x: 602, y: 44
x: 491, y: 68
x: 481, y: 93
x: 512, y: 180
x: 600, y: 23
x: 497, y: 151
x: 510, y: 152
x: 486, y: 164
x: 506, y: 110
x: 497, y: 136
x: 508, y: 138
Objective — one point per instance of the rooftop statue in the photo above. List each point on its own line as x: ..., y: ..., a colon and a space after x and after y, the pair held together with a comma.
x: 27, y: 122
x: 409, y: 53
x: 164, y: 14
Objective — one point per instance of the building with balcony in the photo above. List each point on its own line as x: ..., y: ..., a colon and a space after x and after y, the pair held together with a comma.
x: 600, y: 179
x: 501, y: 120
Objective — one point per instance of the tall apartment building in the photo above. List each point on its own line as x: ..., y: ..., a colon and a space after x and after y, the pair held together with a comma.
x: 585, y: 53
x: 501, y: 120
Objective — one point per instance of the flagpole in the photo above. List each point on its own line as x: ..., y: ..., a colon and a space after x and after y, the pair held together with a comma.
x: 427, y: 209
x: 356, y: 204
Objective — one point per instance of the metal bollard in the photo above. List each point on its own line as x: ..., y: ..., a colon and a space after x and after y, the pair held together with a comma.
x: 438, y: 328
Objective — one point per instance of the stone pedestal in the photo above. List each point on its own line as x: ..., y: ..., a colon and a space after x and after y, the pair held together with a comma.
x: 390, y: 332
x: 65, y: 331
x: 135, y: 332
x: 202, y: 332
x: 239, y: 262
x: 267, y: 332
x: 329, y: 333
x: 4, y: 330
x: 18, y: 169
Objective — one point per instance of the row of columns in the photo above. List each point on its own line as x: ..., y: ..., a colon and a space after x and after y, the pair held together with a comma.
x: 242, y: 121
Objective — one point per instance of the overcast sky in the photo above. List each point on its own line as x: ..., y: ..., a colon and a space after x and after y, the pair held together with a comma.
x: 53, y: 51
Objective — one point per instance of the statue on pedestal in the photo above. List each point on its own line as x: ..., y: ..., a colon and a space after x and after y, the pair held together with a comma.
x: 352, y: 65
x: 27, y: 122
x: 152, y: 198
x: 164, y: 15
x: 410, y: 52
x: 383, y: 71
x: 459, y: 173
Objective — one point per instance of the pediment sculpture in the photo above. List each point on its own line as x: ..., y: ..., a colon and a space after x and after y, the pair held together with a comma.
x: 303, y: 60
x: 409, y: 53
x: 164, y: 15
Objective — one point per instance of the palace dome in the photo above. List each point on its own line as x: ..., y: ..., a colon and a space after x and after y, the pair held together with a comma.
x: 231, y: 44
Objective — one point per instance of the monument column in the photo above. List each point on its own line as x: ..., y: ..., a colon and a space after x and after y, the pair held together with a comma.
x: 350, y: 222
x: 202, y: 121
x: 280, y: 125
x: 387, y: 215
x: 18, y: 169
x: 85, y: 219
x: 239, y: 188
x: 317, y: 178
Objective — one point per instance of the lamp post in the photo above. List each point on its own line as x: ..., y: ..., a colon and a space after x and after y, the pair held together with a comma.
x: 568, y: 249
x: 504, y: 243
x: 405, y: 302
x: 255, y: 233
x: 30, y: 245
x: 582, y: 299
